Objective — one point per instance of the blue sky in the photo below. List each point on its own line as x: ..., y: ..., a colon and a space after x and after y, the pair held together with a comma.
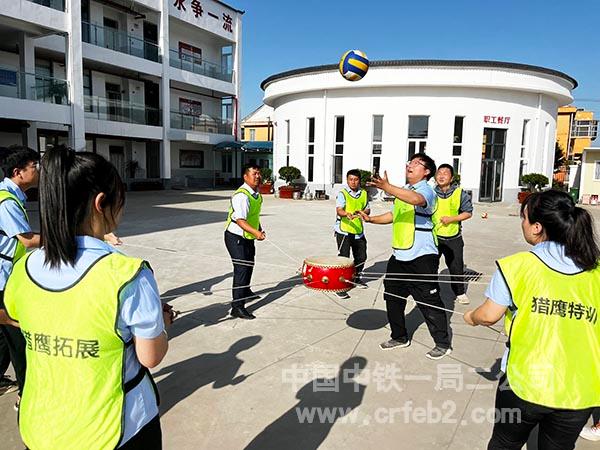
x: 283, y: 35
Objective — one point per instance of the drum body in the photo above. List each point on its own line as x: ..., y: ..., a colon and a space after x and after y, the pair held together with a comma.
x: 328, y: 273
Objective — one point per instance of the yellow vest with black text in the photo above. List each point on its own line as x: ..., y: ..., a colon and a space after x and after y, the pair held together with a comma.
x: 74, y: 392
x: 448, y: 207
x: 253, y: 217
x: 554, y: 335
x: 20, y: 249
x: 353, y: 204
x: 404, y: 225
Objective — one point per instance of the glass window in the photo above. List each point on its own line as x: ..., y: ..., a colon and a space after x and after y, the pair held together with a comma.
x: 597, y: 171
x: 458, y: 129
x: 311, y: 148
x: 339, y: 129
x: 418, y: 126
x: 377, y: 128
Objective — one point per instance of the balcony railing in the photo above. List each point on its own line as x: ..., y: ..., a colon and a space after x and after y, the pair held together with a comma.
x: 54, y: 4
x: 190, y: 63
x: 29, y: 86
x: 204, y: 123
x: 120, y: 111
x: 119, y: 41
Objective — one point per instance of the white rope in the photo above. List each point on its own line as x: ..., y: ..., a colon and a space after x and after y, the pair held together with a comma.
x: 452, y: 311
x: 341, y: 243
x: 212, y: 291
x: 473, y: 275
x: 485, y: 283
x: 240, y: 262
x: 280, y: 249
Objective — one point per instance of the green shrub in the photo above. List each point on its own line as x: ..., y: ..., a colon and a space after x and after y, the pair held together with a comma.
x: 289, y: 174
x: 534, y: 181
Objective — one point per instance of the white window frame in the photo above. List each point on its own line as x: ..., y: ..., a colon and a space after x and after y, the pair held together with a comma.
x: 337, y: 144
x: 252, y: 134
x: 417, y: 141
x: 457, y: 159
x: 524, y: 149
x: 597, y: 170
x: 287, y: 145
x: 376, y: 145
x: 310, y: 145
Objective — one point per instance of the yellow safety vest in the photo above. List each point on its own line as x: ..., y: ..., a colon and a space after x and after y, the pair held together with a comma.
x: 448, y: 207
x: 74, y: 391
x: 20, y: 249
x: 353, y: 204
x: 404, y: 225
x: 253, y: 217
x: 554, y: 336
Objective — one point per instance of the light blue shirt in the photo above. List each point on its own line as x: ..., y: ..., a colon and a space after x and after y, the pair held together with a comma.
x: 340, y: 202
x: 140, y: 315
x: 12, y: 222
x: 424, y: 243
x: 552, y: 254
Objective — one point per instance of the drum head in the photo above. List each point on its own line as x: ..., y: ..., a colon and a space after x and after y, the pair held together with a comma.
x: 329, y: 261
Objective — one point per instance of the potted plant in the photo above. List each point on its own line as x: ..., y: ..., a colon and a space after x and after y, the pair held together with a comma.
x: 266, y: 187
x: 365, y: 176
x: 532, y: 182
x: 132, y: 167
x: 58, y: 90
x: 288, y: 174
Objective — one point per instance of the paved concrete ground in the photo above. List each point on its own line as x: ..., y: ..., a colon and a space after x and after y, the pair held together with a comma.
x: 235, y: 384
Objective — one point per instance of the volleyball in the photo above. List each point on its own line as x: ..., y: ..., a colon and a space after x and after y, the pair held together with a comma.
x: 354, y: 65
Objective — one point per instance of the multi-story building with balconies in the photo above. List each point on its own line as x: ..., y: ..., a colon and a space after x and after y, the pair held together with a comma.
x: 152, y: 85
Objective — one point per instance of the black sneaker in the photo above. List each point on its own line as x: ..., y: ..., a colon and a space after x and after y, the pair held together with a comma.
x: 394, y: 343
x: 343, y: 295
x: 360, y: 283
x: 7, y: 385
x: 438, y: 352
x: 241, y: 313
x: 17, y: 404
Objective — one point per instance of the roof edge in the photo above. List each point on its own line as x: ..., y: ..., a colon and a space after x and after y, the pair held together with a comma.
x: 425, y: 63
x: 230, y: 7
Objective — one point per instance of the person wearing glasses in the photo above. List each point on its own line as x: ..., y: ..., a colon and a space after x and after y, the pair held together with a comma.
x: 412, y: 268
x: 20, y: 166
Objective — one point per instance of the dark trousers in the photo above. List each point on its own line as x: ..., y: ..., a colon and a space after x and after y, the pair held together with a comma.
x: 559, y: 428
x: 15, y: 343
x: 426, y: 291
x: 148, y: 438
x: 452, y: 250
x: 358, y: 246
x: 242, y: 252
x: 4, y: 355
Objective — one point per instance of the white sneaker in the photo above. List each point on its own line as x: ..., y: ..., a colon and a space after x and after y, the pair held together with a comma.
x: 590, y: 433
x: 463, y: 299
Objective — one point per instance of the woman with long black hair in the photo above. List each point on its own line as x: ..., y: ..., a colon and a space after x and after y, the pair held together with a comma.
x: 91, y: 317
x: 551, y: 299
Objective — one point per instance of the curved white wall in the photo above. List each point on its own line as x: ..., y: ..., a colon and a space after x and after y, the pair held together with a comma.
x: 396, y: 93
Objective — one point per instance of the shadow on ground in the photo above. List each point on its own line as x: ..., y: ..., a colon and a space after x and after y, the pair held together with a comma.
x: 303, y: 426
x: 186, y: 377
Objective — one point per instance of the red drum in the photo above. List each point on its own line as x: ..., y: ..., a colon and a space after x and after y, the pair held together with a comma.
x: 328, y: 273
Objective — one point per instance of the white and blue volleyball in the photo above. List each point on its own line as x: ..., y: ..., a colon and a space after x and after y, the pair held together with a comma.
x: 354, y: 65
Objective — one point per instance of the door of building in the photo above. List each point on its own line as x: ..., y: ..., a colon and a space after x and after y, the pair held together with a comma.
x: 116, y: 154
x: 492, y: 165
x: 150, y: 41
x: 153, y: 159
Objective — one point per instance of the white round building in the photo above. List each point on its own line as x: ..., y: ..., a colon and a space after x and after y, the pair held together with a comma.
x: 493, y: 121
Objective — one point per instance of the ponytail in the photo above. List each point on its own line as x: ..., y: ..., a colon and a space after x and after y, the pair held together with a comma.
x: 581, y: 240
x: 69, y: 183
x: 565, y: 223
